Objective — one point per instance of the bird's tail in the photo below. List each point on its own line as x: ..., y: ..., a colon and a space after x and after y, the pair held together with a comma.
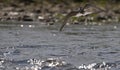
x: 64, y: 23
x: 65, y: 19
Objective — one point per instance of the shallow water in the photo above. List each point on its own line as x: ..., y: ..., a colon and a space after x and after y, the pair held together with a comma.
x: 76, y: 45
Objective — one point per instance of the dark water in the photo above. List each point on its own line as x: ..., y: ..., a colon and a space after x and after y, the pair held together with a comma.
x: 29, y: 46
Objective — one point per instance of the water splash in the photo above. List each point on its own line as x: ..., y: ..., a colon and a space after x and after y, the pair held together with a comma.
x: 1, y: 63
x: 55, y: 64
x: 97, y: 66
x: 59, y: 64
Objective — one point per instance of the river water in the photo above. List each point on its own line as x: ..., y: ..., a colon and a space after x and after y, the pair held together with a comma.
x: 23, y: 45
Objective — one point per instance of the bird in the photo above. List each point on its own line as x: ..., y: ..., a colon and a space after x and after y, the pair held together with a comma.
x: 79, y: 10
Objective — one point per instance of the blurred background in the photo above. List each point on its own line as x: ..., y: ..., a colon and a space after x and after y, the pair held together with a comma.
x: 37, y: 10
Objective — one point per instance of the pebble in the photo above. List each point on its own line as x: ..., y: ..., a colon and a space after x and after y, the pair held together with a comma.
x: 67, y: 24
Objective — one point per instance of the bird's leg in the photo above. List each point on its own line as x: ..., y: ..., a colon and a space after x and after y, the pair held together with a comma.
x: 86, y: 20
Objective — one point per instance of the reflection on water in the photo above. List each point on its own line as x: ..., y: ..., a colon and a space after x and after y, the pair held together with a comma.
x: 34, y: 46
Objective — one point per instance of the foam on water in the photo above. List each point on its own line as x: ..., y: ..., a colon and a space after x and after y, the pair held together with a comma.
x: 55, y: 64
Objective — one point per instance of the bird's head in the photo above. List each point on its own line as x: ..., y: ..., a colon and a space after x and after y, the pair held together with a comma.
x: 81, y: 10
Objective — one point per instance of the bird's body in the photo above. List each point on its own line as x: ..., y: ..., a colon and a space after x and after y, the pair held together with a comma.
x: 81, y: 12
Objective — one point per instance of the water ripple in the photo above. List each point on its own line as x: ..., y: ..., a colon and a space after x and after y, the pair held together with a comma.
x: 35, y: 46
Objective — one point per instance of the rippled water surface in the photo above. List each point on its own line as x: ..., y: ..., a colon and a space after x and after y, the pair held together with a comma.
x: 75, y: 45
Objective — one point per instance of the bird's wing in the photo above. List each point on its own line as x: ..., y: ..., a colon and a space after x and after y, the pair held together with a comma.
x: 86, y: 6
x: 65, y: 19
x: 93, y: 6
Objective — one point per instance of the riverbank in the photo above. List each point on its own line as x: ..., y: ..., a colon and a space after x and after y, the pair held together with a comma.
x: 51, y: 13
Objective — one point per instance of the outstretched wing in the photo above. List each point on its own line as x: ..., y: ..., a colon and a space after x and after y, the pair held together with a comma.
x: 86, y: 6
x: 65, y: 19
x: 93, y: 6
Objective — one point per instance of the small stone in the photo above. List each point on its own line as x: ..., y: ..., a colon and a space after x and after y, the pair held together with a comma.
x: 99, y: 24
x: 68, y: 24
x: 40, y: 17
